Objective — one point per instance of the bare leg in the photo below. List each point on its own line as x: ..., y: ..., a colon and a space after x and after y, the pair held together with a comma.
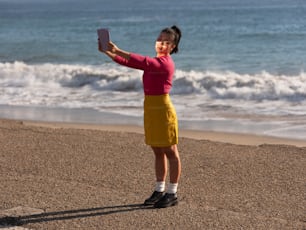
x: 170, y: 197
x: 175, y: 163
x: 161, y: 173
x: 160, y: 164
x: 161, y: 155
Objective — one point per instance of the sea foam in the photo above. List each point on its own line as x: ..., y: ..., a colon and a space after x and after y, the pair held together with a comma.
x: 112, y: 87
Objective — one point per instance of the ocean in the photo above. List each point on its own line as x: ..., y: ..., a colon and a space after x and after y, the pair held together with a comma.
x: 240, y: 67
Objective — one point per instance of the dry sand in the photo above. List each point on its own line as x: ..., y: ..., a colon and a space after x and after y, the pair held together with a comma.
x: 65, y: 176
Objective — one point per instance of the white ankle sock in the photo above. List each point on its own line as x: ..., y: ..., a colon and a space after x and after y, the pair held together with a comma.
x: 172, y: 188
x: 160, y: 186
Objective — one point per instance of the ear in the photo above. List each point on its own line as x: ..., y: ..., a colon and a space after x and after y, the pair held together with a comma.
x: 173, y: 46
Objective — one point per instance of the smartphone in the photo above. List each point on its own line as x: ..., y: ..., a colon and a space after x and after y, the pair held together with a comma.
x: 104, y: 37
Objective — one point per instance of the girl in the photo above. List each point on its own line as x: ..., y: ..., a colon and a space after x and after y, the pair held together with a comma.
x: 160, y: 121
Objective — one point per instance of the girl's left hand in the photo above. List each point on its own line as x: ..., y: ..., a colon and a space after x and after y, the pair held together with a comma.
x: 112, y: 47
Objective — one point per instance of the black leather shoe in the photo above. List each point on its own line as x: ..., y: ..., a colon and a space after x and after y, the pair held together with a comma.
x: 166, y: 201
x: 156, y: 196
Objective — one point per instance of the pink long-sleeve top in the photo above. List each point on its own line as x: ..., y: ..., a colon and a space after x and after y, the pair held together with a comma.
x: 158, y: 72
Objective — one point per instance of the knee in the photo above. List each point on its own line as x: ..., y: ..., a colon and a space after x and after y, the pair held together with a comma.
x: 172, y: 154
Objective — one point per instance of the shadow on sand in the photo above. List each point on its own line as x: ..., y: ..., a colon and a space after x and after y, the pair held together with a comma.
x: 69, y: 214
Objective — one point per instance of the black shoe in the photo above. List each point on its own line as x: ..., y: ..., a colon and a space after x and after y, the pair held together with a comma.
x: 166, y: 201
x: 156, y: 196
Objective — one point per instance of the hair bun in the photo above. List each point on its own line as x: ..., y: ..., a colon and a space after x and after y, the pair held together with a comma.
x: 177, y: 30
x: 178, y: 37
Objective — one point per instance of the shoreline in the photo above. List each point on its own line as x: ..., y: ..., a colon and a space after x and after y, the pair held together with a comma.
x: 224, y: 137
x: 214, y: 130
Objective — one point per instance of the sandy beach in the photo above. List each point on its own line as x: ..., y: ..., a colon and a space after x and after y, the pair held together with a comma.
x: 75, y: 176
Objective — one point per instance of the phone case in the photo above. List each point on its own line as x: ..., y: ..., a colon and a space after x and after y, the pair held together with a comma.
x: 104, y: 37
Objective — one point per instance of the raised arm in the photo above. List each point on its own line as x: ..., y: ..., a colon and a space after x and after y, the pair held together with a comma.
x: 132, y: 60
x: 113, y: 50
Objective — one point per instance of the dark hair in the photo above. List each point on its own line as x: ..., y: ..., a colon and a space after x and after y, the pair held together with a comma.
x: 176, y: 32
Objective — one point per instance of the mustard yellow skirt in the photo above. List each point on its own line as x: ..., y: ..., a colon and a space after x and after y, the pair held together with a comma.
x: 160, y: 121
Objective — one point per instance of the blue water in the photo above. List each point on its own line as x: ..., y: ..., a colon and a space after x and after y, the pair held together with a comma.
x: 238, y: 59
x: 240, y: 36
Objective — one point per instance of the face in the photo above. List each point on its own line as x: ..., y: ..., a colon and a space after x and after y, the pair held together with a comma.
x: 164, y: 44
